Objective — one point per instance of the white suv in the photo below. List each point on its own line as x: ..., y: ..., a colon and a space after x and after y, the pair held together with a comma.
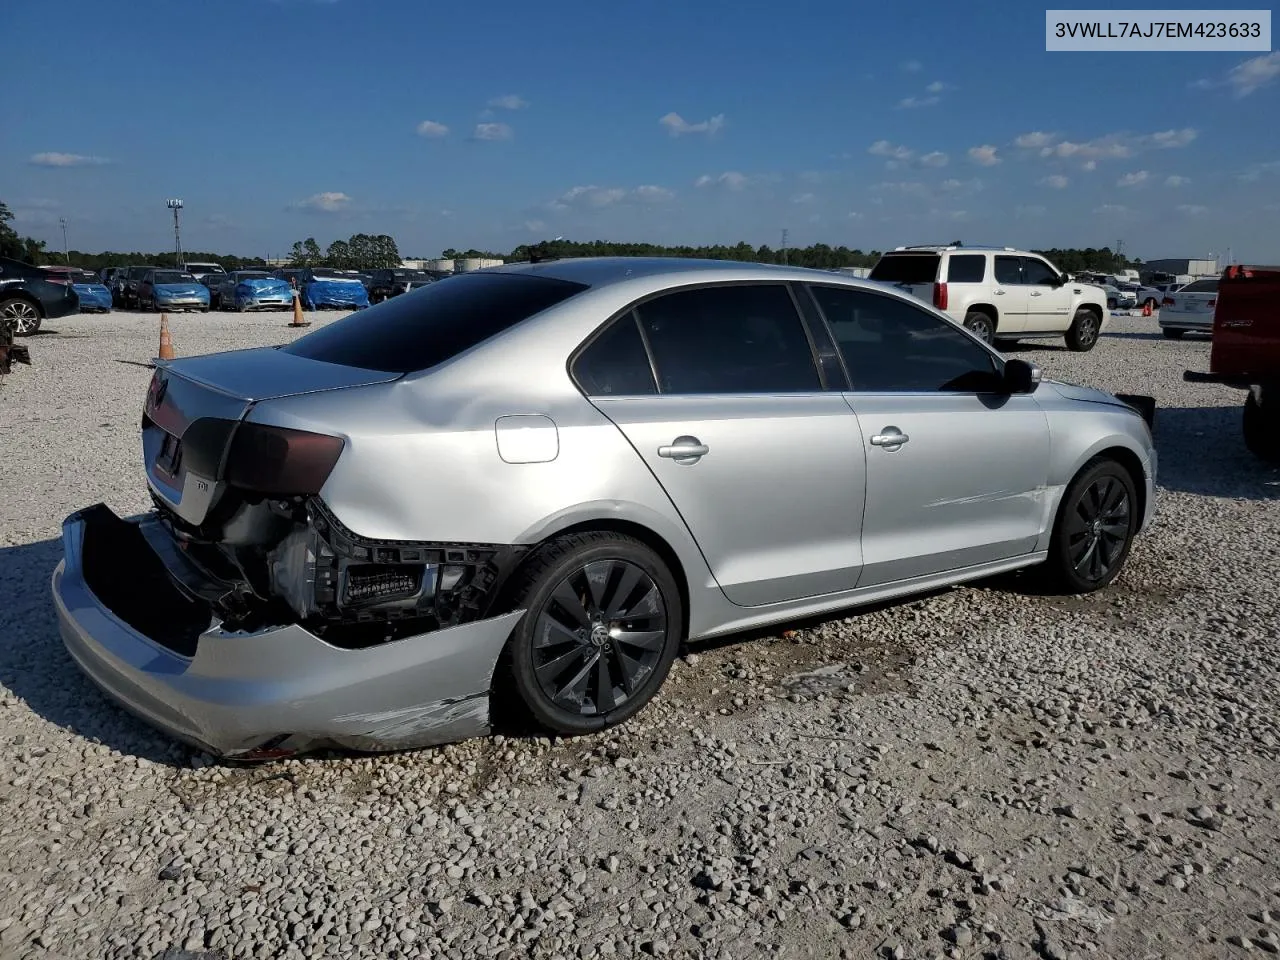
x: 998, y: 292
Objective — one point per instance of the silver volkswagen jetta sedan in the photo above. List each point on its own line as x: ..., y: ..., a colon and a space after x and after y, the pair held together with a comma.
x: 528, y: 485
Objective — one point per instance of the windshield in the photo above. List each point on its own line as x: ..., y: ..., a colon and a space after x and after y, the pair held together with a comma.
x: 173, y: 276
x: 907, y: 268
x: 254, y: 275
x: 407, y: 334
x: 325, y: 273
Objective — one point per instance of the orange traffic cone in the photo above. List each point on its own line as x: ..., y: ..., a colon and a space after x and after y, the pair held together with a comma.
x: 166, y: 340
x: 298, y: 321
x: 1146, y: 309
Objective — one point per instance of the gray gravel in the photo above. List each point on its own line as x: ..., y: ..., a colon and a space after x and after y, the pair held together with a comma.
x: 981, y: 773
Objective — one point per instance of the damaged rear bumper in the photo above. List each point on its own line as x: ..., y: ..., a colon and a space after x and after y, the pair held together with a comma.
x: 268, y: 692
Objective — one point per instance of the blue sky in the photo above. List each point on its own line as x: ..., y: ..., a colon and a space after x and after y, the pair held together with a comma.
x: 493, y: 124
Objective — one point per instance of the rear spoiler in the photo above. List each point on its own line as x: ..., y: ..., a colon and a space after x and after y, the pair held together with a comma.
x: 1146, y: 406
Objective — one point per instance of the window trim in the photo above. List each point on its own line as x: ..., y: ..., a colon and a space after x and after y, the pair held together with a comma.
x: 634, y: 306
x: 998, y: 360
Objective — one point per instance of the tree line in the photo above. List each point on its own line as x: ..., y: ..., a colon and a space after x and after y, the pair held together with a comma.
x: 373, y: 251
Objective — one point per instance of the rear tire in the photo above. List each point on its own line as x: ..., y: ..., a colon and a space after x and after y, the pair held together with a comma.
x: 1171, y: 334
x: 1086, y: 327
x: 982, y: 325
x: 1262, y: 428
x: 604, y: 621
x: 1094, y: 529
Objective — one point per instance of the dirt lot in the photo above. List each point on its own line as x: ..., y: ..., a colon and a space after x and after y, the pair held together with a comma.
x: 980, y: 773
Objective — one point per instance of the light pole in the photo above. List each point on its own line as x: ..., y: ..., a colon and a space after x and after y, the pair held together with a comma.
x: 175, y: 206
x: 66, y: 251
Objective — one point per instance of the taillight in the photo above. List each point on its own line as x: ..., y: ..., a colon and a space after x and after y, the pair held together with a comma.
x: 1167, y: 302
x: 61, y: 281
x: 281, y: 462
x: 940, y: 296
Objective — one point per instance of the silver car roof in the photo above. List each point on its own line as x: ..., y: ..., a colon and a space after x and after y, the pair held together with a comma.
x: 605, y: 271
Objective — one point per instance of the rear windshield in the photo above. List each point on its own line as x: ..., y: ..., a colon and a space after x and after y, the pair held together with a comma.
x: 439, y: 321
x: 173, y: 276
x: 1200, y: 286
x: 907, y: 268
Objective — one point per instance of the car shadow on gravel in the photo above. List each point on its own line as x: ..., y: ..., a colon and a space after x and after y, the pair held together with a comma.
x: 1202, y: 451
x: 36, y: 668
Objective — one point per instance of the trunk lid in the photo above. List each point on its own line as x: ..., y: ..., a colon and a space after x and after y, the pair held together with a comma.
x: 1246, y: 324
x: 194, y: 404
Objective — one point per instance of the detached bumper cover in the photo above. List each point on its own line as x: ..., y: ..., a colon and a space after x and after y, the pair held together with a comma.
x: 281, y: 688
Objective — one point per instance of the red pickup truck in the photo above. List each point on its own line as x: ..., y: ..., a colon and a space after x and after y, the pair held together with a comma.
x: 1246, y: 352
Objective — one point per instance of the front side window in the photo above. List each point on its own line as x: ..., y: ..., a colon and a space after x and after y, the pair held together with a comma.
x: 615, y: 363
x: 1037, y: 273
x: 892, y: 346
x: 740, y: 338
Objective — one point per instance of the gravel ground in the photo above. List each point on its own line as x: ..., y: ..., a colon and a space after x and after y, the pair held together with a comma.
x: 980, y: 773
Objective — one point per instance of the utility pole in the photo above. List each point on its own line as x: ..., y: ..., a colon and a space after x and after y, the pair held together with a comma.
x: 175, y: 206
x: 66, y: 251
x: 784, y: 245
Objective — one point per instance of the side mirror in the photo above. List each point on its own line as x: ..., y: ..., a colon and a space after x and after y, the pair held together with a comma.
x: 1020, y: 376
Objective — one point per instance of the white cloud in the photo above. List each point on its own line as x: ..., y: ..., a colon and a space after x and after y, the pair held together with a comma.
x: 730, y: 178
x: 1191, y: 209
x: 1056, y: 180
x: 855, y: 215
x: 984, y: 155
x: 1090, y: 165
x: 331, y: 201
x: 935, y: 159
x: 429, y: 128
x: 909, y: 188
x: 1176, y: 181
x: 1246, y: 77
x: 912, y: 66
x: 509, y: 102
x: 1166, y: 139
x: 492, y: 131
x: 961, y: 186
x: 910, y: 103
x: 595, y: 197
x: 1103, y: 147
x: 1258, y: 171
x: 1028, y: 212
x: 1035, y: 140
x: 1112, y: 209
x: 883, y: 148
x: 804, y: 198
x: 1136, y: 178
x: 677, y: 125
x: 936, y: 87
x: 535, y: 226
x: 66, y: 160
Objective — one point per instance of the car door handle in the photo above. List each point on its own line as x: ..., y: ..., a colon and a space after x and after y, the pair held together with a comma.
x: 892, y: 437
x: 1035, y: 293
x: 684, y: 450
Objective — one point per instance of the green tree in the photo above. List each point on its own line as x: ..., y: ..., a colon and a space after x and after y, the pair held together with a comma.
x: 14, y: 246
x: 339, y: 255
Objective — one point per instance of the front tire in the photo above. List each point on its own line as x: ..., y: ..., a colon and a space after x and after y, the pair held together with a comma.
x: 604, y: 621
x: 1085, y: 330
x: 1094, y: 529
x: 982, y: 325
x: 21, y: 314
x: 1262, y: 428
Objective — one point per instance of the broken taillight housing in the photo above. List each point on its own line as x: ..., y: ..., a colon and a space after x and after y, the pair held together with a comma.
x: 277, y: 461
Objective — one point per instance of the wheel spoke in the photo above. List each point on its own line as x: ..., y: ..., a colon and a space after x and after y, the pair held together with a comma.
x: 649, y: 640
x: 570, y: 601
x: 1118, y: 498
x: 604, y: 686
x: 554, y: 669
x: 626, y: 582
x: 598, y: 576
x: 575, y: 691
x: 1085, y: 558
x: 629, y: 669
x: 552, y: 632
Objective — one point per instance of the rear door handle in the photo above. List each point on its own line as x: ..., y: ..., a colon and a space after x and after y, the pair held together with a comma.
x: 684, y: 450
x: 999, y: 293
x: 1035, y: 293
x: 892, y: 437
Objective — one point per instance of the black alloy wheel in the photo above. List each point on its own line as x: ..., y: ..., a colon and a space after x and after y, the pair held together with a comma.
x: 1094, y: 529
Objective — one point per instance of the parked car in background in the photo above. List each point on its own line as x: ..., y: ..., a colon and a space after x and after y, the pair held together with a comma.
x: 385, y: 284
x: 998, y: 292
x: 129, y: 282
x: 1116, y: 298
x: 1189, y: 310
x: 258, y: 291
x: 202, y: 270
x: 94, y: 295
x: 325, y: 288
x: 174, y: 290
x: 28, y: 297
x: 605, y: 440
x: 1246, y: 352
x: 222, y: 289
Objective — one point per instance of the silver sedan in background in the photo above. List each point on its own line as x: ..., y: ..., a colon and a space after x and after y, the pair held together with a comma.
x: 528, y: 486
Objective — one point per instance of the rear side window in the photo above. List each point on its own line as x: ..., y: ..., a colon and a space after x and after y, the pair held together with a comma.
x: 1008, y: 270
x: 615, y: 364
x: 742, y: 338
x: 435, y: 323
x: 966, y: 268
x: 906, y: 268
x: 1200, y: 286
